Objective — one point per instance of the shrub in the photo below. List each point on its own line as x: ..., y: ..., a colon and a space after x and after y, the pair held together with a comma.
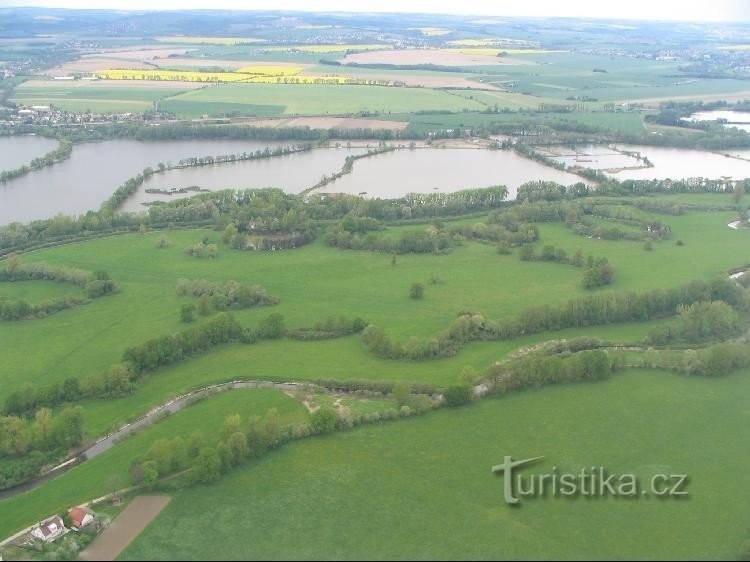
x: 416, y: 291
x: 323, y: 420
x: 459, y: 395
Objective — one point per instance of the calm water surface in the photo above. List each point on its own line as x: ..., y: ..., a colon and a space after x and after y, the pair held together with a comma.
x: 93, y: 172
x: 426, y: 170
x: 16, y: 151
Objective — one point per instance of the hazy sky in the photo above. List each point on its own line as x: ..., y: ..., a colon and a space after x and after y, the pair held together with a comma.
x: 693, y: 10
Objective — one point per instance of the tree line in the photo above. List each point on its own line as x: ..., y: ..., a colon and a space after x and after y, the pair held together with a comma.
x: 94, y: 284
x: 594, y: 310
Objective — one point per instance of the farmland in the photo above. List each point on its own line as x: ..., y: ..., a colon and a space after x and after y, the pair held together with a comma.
x: 478, y: 267
x: 309, y: 99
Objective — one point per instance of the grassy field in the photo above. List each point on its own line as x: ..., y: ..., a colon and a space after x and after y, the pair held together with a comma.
x: 314, y: 282
x: 422, y: 488
x: 474, y: 277
x: 95, y: 478
x: 95, y: 97
x: 316, y: 99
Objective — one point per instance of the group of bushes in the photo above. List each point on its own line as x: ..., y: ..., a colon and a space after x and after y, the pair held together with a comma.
x: 594, y: 310
x: 95, y: 285
x: 698, y: 322
x: 430, y: 240
x: 538, y: 370
x: 223, y: 295
x: 202, y: 250
x: 26, y: 445
x: 331, y: 327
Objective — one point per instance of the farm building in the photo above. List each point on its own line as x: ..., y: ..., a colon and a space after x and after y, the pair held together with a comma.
x: 80, y: 517
x: 49, y: 529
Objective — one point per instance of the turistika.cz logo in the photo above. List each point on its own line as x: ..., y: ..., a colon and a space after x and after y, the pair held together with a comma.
x: 589, y: 482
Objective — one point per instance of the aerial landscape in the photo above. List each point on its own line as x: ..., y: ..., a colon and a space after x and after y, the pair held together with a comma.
x: 332, y: 281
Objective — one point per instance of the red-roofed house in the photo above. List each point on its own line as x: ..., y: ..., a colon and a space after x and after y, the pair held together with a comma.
x: 80, y: 517
x: 49, y: 529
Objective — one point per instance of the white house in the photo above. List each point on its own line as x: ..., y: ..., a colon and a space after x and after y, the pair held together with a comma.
x: 49, y: 529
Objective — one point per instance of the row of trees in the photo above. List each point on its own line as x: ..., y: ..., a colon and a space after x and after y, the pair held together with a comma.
x: 538, y: 370
x: 599, y: 309
x: 95, y: 284
x: 430, y: 240
x: 62, y: 152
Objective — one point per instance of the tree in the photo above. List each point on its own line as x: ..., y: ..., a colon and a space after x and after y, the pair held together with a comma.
x: 526, y: 253
x: 272, y: 427
x: 161, y: 453
x: 402, y: 393
x: 257, y: 439
x: 230, y: 233
x: 225, y: 456
x: 204, y: 305
x: 150, y: 473
x: 207, y: 466
x: 232, y: 424
x: 71, y: 389
x: 43, y: 427
x: 271, y: 327
x: 237, y: 443
x: 195, y: 444
x: 323, y: 420
x: 416, y: 291
x: 187, y: 313
x: 68, y: 430
x: 459, y: 395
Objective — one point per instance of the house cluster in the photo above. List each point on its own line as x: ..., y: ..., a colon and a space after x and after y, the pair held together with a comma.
x: 53, y: 528
x: 49, y: 115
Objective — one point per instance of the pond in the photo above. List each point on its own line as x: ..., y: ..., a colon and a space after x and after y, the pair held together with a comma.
x: 292, y: 172
x: 442, y: 170
x: 95, y: 170
x: 16, y: 151
x: 637, y: 162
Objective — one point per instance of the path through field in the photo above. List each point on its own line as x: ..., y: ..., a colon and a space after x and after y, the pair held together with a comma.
x: 136, y: 517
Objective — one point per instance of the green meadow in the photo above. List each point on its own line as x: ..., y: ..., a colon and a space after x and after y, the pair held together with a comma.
x: 314, y: 282
x: 422, y: 487
x: 353, y: 480
x: 98, y: 476
x: 313, y: 99
x: 94, y: 97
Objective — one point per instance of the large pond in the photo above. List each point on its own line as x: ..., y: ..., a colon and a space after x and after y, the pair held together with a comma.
x: 93, y: 172
x: 428, y: 170
x: 16, y: 151
x: 679, y: 163
x: 738, y: 119
x: 626, y: 162
x: 293, y: 173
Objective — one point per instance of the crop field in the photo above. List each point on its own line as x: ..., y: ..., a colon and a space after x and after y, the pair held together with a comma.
x: 311, y: 99
x: 402, y: 490
x: 97, y: 96
x: 191, y: 40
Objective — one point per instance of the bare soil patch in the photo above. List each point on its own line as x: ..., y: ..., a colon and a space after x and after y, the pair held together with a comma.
x: 136, y: 517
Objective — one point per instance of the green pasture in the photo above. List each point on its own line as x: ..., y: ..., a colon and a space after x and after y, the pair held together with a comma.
x: 111, y: 469
x: 312, y: 99
x: 422, y: 488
